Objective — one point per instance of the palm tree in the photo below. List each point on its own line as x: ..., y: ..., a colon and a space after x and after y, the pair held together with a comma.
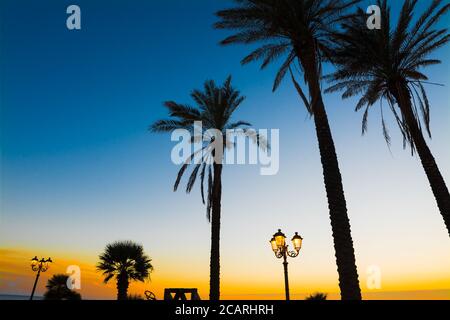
x: 57, y: 289
x: 124, y: 260
x: 214, y: 108
x: 300, y: 30
x: 386, y: 65
x: 317, y: 296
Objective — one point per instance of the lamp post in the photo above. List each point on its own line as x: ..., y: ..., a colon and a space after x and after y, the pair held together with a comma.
x: 280, y: 248
x: 39, y: 266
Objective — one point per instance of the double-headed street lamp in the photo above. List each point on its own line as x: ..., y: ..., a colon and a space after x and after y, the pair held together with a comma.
x: 280, y: 248
x: 39, y: 266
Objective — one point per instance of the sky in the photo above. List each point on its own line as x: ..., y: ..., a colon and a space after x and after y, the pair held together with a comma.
x: 79, y: 168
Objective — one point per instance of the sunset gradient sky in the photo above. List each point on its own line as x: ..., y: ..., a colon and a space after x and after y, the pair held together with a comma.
x: 79, y: 168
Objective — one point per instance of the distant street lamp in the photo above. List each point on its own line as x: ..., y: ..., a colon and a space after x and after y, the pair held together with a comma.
x: 280, y: 248
x: 39, y: 266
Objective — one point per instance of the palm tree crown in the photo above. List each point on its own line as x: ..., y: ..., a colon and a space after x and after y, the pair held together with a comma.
x: 214, y: 107
x: 124, y: 260
x: 291, y: 29
x: 319, y: 296
x: 57, y: 289
x: 377, y: 64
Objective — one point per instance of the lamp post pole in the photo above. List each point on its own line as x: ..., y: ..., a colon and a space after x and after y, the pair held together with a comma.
x: 281, y: 250
x: 38, y: 266
x: 35, y: 283
x: 286, y: 278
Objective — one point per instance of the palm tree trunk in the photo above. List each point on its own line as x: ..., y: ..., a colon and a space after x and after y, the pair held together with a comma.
x: 434, y: 176
x: 340, y: 224
x: 122, y: 286
x: 214, y: 281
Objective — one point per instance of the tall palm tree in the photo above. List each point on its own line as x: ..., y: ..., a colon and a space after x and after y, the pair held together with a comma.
x: 300, y: 31
x: 57, y: 289
x: 386, y: 65
x: 126, y: 261
x: 214, y: 108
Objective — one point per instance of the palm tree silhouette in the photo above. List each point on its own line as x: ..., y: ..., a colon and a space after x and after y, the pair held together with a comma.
x: 301, y: 31
x: 124, y: 260
x: 317, y: 296
x: 57, y: 289
x: 215, y: 106
x: 385, y: 65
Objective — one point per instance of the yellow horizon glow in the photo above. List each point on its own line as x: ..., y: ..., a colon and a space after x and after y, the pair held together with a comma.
x: 17, y: 277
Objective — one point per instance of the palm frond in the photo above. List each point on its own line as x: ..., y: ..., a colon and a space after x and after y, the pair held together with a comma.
x: 301, y: 93
x: 192, y: 178
x: 169, y: 125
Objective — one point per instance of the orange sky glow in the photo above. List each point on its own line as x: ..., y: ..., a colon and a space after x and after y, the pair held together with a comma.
x: 17, y: 278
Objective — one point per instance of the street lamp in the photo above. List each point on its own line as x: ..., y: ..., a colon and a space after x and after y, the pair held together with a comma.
x: 39, y: 266
x: 280, y: 248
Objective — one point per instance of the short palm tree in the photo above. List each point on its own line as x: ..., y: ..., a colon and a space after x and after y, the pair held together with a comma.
x: 126, y: 261
x: 386, y: 65
x: 301, y: 32
x: 317, y: 296
x: 57, y: 289
x: 214, y: 108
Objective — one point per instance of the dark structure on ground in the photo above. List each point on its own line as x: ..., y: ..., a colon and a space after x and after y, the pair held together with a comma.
x: 180, y: 294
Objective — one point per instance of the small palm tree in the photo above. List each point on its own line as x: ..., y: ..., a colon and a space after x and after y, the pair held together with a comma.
x: 386, y: 65
x: 126, y: 261
x: 300, y: 32
x: 317, y: 296
x: 57, y: 289
x: 214, y: 108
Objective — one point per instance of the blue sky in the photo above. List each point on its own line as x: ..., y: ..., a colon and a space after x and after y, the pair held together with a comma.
x: 78, y: 165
